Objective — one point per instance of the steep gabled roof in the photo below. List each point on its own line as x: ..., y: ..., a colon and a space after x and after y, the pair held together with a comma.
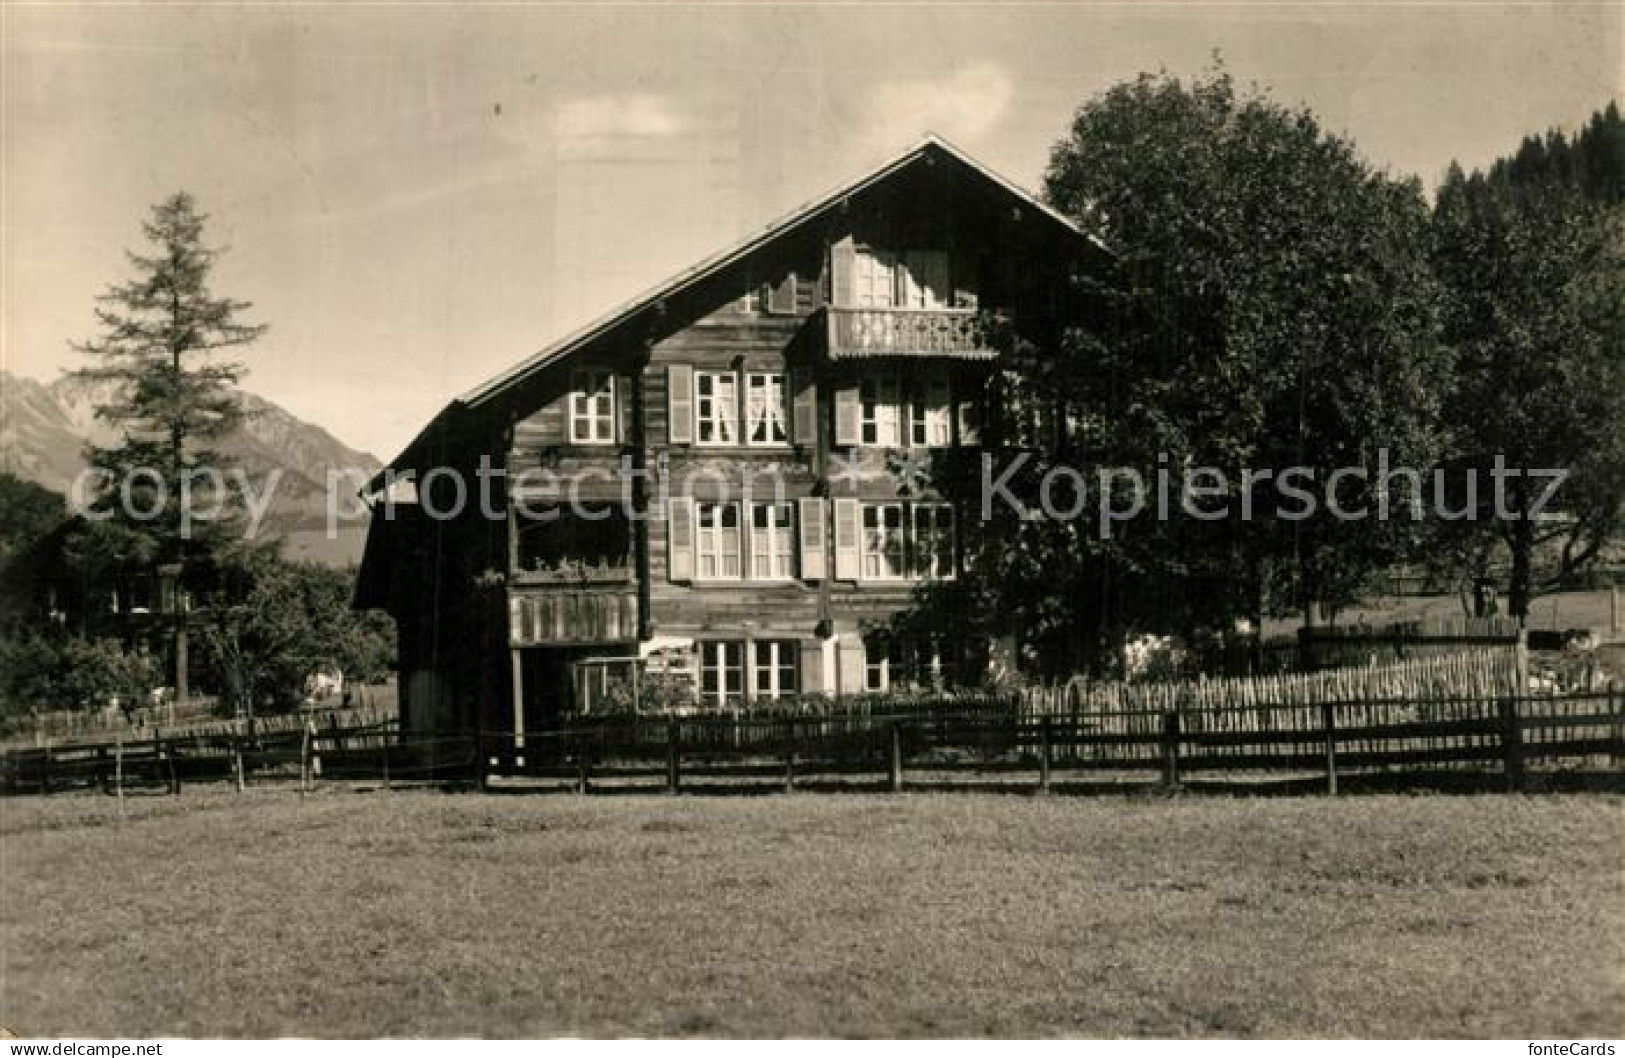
x: 790, y: 222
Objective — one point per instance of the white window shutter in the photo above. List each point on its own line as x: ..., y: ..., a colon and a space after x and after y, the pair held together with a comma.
x: 623, y: 408
x: 810, y: 514
x: 680, y: 404
x: 847, y: 529
x: 680, y: 539
x: 840, y: 273
x: 781, y: 296
x: 805, y: 413
x: 812, y: 667
x: 847, y: 416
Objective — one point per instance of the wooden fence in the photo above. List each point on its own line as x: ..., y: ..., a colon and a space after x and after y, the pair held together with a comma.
x: 999, y: 740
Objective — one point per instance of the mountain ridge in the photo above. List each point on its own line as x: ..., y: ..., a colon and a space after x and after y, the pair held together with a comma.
x: 46, y: 429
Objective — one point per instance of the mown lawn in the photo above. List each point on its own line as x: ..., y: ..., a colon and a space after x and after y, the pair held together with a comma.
x: 422, y: 913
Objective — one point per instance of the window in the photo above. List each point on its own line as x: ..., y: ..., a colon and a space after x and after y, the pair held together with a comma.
x: 933, y: 551
x: 882, y: 541
x: 881, y: 412
x: 716, y: 407
x: 924, y: 280
x: 722, y: 673
x: 591, y: 544
x: 764, y: 409
x: 929, y: 405
x: 717, y: 548
x: 773, y: 671
x: 773, y: 668
x: 874, y: 279
x: 876, y: 663
x: 592, y: 408
x: 772, y: 536
x: 909, y: 662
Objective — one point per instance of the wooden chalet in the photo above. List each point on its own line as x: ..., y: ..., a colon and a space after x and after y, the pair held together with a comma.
x: 737, y: 441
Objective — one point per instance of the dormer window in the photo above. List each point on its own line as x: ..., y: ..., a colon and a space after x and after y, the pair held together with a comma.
x: 592, y: 408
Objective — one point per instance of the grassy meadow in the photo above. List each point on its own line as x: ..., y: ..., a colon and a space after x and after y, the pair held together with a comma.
x: 353, y: 913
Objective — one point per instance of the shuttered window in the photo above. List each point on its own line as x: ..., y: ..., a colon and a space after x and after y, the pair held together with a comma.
x: 717, y: 541
x: 882, y: 412
x: 929, y: 406
x: 716, y: 407
x: 772, y: 534
x: 764, y: 408
x: 883, y: 544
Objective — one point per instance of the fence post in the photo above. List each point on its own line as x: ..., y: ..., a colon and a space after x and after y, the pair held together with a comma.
x: 789, y: 756
x: 168, y: 753
x: 304, y: 759
x: 1170, y: 749
x: 1044, y: 751
x: 896, y: 757
x: 118, y: 771
x: 1512, y: 743
x: 481, y: 764
x: 674, y: 756
x: 1328, y: 723
x: 237, y: 759
x: 45, y: 772
x: 1616, y: 706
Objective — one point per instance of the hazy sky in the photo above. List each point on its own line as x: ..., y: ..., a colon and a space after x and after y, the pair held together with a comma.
x: 415, y: 197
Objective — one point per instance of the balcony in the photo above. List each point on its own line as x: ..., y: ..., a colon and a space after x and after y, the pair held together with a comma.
x: 567, y: 617
x: 858, y: 333
x: 575, y: 573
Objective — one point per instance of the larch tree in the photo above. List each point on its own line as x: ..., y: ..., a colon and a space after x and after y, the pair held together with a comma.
x: 161, y: 380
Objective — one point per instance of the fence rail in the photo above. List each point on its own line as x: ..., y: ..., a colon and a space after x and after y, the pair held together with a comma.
x: 1001, y: 739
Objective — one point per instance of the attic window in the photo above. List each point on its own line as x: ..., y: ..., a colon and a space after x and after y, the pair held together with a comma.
x: 592, y: 408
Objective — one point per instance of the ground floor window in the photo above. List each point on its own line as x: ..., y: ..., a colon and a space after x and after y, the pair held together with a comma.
x: 722, y: 673
x: 769, y: 668
x: 774, y: 668
x: 915, y: 662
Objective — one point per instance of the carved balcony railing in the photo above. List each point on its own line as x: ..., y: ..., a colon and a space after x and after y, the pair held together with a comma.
x: 587, y: 616
x: 854, y: 333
